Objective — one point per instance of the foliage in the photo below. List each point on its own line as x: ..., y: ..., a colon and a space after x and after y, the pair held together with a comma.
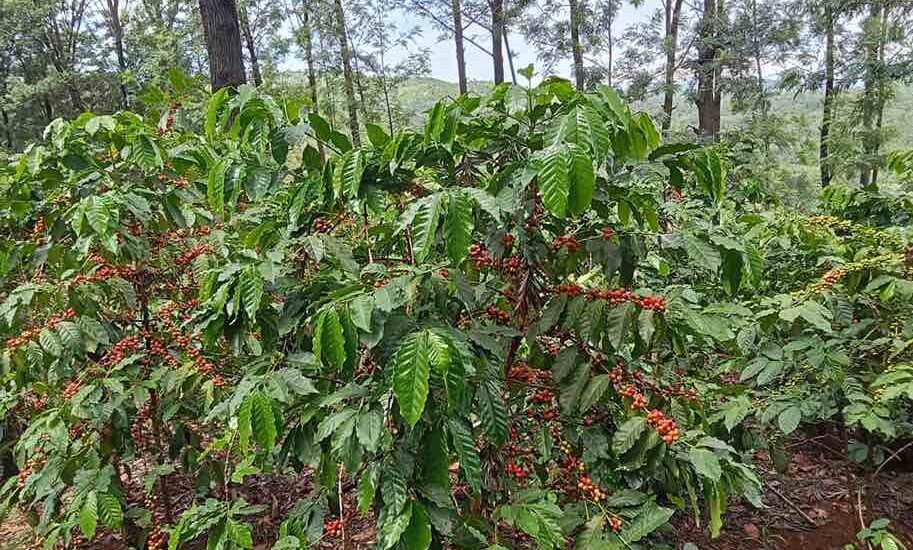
x: 531, y: 319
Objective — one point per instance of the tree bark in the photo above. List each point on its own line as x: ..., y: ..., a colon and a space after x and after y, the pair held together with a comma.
x: 829, y: 97
x: 510, y: 54
x: 112, y: 17
x: 223, y: 43
x: 497, y: 40
x: 7, y: 132
x: 251, y: 50
x: 348, y: 76
x: 611, y: 40
x: 307, y: 44
x: 708, y: 81
x: 458, y: 43
x: 575, y: 44
x: 673, y: 15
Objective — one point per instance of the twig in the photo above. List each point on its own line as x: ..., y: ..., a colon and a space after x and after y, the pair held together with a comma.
x: 894, y: 455
x: 342, y: 506
x: 793, y: 505
x: 859, y: 510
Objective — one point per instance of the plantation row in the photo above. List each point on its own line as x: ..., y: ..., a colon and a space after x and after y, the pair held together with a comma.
x: 518, y: 326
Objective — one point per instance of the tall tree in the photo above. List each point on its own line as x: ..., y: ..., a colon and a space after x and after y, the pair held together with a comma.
x: 223, y: 43
x: 497, y: 38
x: 830, y: 92
x: 673, y: 13
x: 113, y: 16
x: 709, y: 70
x: 458, y: 44
x: 348, y: 75
x: 576, y: 47
x: 249, y: 43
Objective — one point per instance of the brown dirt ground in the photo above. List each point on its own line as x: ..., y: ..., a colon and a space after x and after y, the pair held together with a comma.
x: 819, y: 481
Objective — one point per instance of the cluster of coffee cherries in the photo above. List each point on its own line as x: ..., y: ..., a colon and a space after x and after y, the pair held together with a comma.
x: 333, y: 527
x: 322, y: 226
x: 192, y: 254
x: 507, y: 240
x: 39, y: 229
x: 71, y: 389
x: 664, y: 425
x: 141, y: 429
x: 380, y: 283
x: 28, y: 334
x: 524, y: 374
x: 569, y: 242
x: 158, y: 539
x: 512, y: 266
x: 543, y: 396
x: 608, y: 233
x: 614, y: 296
x: 497, y: 315
x: 125, y: 347
x: 638, y: 401
x: 179, y: 181
x: 519, y: 472
x: 104, y: 273
x: 590, y: 490
x: 533, y: 221
x: 173, y: 237
x: 481, y: 257
x: 33, y: 464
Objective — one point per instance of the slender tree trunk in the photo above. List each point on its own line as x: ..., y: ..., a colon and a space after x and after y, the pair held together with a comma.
x: 458, y: 43
x: 575, y: 44
x: 348, y: 77
x: 497, y: 28
x: 829, y: 96
x: 510, y: 54
x: 7, y: 132
x: 309, y: 60
x: 117, y: 33
x: 223, y: 43
x: 708, y: 86
x: 611, y: 40
x: 870, y: 138
x: 251, y: 50
x: 882, y: 92
x: 673, y: 15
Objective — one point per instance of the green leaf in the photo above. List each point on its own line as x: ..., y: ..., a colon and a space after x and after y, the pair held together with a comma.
x: 367, y: 488
x: 328, y: 425
x: 376, y: 135
x: 109, y: 510
x: 263, y: 421
x: 594, y: 391
x: 467, y: 453
x: 424, y: 227
x: 251, y: 291
x: 329, y: 341
x: 583, y: 181
x: 412, y: 368
x: 88, y: 516
x: 369, y: 429
x: 418, y: 534
x: 650, y: 518
x: 705, y: 463
x: 617, y: 323
x: 216, y: 103
x: 393, y: 528
x: 493, y: 412
x: 627, y: 434
x: 553, y: 178
x: 789, y: 419
x: 215, y: 187
x: 244, y: 424
x: 458, y: 225
x: 97, y: 214
x: 702, y: 253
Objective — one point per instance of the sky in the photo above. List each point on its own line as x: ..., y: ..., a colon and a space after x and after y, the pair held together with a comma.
x: 478, y: 63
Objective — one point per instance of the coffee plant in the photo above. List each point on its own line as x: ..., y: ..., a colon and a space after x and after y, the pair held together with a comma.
x: 526, y: 323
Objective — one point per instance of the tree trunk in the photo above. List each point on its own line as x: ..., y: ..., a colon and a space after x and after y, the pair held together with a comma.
x: 497, y: 48
x: 510, y: 54
x: 309, y: 60
x: 610, y: 44
x: 871, y: 93
x: 708, y: 85
x: 458, y: 43
x: 575, y: 44
x: 251, y: 50
x: 223, y: 43
x: 673, y: 14
x: 829, y: 96
x: 882, y: 93
x: 348, y: 77
x: 7, y: 132
x: 117, y: 33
